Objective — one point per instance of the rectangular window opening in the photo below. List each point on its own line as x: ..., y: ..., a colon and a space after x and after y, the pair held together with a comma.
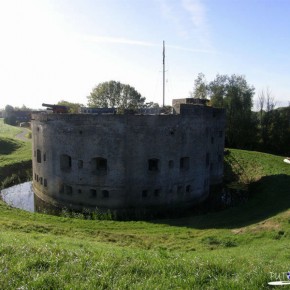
x: 157, y: 192
x: 93, y: 193
x: 105, y: 194
x: 184, y: 163
x: 99, y: 165
x: 153, y: 164
x: 145, y: 193
x: 65, y: 162
x: 38, y: 156
x: 207, y: 160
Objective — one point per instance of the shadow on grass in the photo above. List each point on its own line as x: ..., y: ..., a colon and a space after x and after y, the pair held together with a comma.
x: 267, y: 197
x: 8, y: 146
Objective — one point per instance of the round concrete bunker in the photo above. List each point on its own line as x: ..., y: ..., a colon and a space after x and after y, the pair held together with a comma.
x: 128, y: 163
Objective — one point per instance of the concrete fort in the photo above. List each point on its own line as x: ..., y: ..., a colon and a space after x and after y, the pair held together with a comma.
x: 135, y: 164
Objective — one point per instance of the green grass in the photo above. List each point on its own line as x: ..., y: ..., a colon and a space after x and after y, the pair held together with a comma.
x: 12, y: 150
x: 242, y: 247
x: 15, y: 156
x: 8, y: 131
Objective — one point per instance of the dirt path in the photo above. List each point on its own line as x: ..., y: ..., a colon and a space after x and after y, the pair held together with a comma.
x: 22, y: 135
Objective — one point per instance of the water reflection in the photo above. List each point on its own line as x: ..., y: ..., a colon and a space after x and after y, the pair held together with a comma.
x: 20, y: 196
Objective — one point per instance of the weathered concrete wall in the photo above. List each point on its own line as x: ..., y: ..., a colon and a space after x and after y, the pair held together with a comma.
x: 124, y: 162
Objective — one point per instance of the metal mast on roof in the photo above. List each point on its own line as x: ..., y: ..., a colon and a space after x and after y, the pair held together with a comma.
x: 163, y: 73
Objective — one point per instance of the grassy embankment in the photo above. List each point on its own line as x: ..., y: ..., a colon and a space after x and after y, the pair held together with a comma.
x: 15, y: 156
x: 241, y: 247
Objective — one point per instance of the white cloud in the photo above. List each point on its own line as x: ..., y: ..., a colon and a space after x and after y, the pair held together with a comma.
x: 189, y: 19
x: 171, y: 11
x: 197, y: 13
x: 198, y: 17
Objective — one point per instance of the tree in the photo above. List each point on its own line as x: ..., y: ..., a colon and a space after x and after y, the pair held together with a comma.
x: 266, y: 105
x: 238, y: 102
x: 114, y: 94
x: 9, y: 117
x: 22, y: 108
x: 235, y: 95
x: 274, y: 129
x: 200, y: 90
x: 217, y: 90
x: 73, y: 107
x: 279, y: 138
x: 9, y: 109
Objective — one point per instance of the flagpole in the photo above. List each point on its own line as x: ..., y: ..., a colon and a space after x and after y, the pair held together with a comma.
x: 163, y: 73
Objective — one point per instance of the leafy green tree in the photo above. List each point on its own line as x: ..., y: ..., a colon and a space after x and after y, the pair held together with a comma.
x: 235, y: 95
x: 266, y: 106
x: 8, y: 109
x: 114, y: 94
x: 217, y: 90
x: 238, y: 101
x: 274, y: 125
x: 279, y: 133
x: 73, y: 107
x: 200, y: 90
x: 22, y: 108
x: 9, y: 117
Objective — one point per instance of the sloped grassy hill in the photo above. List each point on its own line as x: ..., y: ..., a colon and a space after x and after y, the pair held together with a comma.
x: 241, y: 247
x: 15, y: 156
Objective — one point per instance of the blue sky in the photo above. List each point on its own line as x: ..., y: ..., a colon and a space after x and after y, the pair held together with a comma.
x: 54, y: 50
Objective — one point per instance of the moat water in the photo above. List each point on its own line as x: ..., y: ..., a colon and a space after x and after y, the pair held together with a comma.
x: 23, y: 197
x: 20, y: 196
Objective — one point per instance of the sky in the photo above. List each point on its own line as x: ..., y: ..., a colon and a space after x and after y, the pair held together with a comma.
x: 53, y: 50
